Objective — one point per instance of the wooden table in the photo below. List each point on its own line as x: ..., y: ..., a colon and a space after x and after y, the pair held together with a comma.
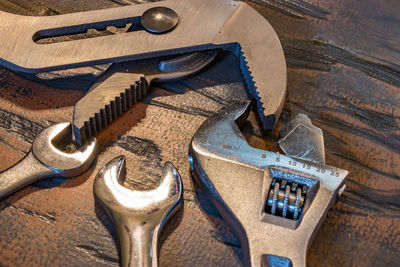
x: 343, y: 72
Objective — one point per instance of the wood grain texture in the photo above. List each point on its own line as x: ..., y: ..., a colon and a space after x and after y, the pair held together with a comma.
x: 343, y: 72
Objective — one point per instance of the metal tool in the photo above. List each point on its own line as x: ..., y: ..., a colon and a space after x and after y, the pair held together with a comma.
x: 46, y: 160
x: 137, y: 216
x: 275, y: 203
x: 201, y: 25
x: 97, y: 109
x: 105, y: 101
x: 124, y: 84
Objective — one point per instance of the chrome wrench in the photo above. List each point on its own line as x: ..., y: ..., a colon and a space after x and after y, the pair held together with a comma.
x: 137, y: 216
x: 275, y: 203
x: 46, y: 160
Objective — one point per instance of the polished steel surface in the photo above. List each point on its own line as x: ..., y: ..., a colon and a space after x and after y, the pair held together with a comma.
x: 46, y: 160
x: 125, y: 84
x: 137, y: 216
x: 159, y: 19
x: 239, y: 180
x: 203, y: 24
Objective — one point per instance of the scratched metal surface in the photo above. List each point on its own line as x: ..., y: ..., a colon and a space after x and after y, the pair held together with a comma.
x: 343, y: 72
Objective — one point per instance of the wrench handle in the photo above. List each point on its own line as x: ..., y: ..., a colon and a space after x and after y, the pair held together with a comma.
x: 26, y: 171
x: 137, y: 246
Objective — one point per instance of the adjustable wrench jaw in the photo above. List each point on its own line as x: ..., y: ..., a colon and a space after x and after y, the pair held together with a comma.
x: 138, y: 216
x: 238, y: 178
x: 203, y: 24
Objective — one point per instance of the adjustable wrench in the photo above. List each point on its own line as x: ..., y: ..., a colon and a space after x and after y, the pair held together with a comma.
x: 275, y: 203
x: 203, y: 24
x: 137, y: 216
x: 46, y: 160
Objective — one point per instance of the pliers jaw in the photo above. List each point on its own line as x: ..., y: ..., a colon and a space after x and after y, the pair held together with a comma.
x: 203, y: 25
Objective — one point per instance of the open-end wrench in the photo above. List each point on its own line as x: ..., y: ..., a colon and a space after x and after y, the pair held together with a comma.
x: 275, y: 203
x: 46, y: 160
x: 201, y: 25
x: 137, y: 216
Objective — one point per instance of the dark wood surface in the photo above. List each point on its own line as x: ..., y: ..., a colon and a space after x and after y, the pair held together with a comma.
x: 343, y: 72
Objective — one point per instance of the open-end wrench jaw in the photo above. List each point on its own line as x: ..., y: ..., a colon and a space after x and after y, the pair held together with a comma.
x: 239, y: 180
x: 138, y: 216
x: 46, y: 159
x: 45, y: 149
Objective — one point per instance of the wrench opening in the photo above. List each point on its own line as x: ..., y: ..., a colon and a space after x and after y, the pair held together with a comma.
x: 137, y: 216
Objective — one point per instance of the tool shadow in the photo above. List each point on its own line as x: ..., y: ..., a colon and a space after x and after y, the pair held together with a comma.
x: 224, y: 233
